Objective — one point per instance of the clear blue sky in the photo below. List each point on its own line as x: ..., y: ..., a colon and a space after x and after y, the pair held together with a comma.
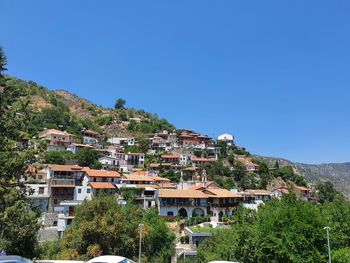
x: 276, y: 74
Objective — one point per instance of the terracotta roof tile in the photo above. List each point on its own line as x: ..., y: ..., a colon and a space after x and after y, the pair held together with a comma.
x: 64, y: 168
x: 175, y: 193
x: 221, y: 193
x: 101, y: 173
x: 135, y: 177
x: 102, y: 185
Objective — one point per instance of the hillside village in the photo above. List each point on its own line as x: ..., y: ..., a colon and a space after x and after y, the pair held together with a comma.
x: 78, y: 155
x: 170, y: 175
x: 252, y: 165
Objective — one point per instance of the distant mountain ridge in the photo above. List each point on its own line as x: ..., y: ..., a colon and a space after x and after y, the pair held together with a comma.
x: 337, y: 173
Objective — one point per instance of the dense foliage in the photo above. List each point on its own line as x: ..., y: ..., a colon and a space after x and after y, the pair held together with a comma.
x: 326, y: 192
x: 84, y: 157
x: 287, y: 173
x: 231, y: 176
x: 51, y: 110
x: 289, y: 230
x: 18, y: 222
x: 171, y: 175
x: 119, y: 104
x: 101, y: 226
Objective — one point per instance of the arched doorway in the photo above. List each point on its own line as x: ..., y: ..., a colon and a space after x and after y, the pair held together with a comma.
x: 221, y: 214
x: 182, y: 213
x: 197, y: 212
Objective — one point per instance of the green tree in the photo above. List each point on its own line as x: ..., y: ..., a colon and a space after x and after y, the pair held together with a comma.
x: 51, y: 249
x: 341, y: 255
x: 217, y: 169
x: 326, y: 192
x: 224, y: 148
x: 101, y: 226
x: 18, y: 223
x: 130, y: 194
x: 3, y: 62
x: 88, y: 157
x: 239, y: 171
x: 287, y: 173
x: 171, y: 175
x: 288, y: 231
x: 336, y: 215
x: 119, y: 104
x: 143, y: 143
x: 57, y: 157
x: 123, y: 116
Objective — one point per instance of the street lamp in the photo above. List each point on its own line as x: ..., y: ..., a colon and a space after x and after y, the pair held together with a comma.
x: 140, y: 226
x: 327, y: 228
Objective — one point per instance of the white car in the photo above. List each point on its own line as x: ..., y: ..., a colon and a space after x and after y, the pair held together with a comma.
x: 110, y: 259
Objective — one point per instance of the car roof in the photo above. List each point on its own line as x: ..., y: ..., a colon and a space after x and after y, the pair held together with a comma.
x: 106, y: 259
x: 11, y: 258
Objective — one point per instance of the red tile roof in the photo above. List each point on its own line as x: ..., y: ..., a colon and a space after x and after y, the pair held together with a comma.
x: 101, y: 173
x: 102, y: 185
x: 64, y: 168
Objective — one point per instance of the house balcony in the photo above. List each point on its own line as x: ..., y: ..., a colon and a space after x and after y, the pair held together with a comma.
x: 185, y: 203
x: 70, y: 183
x: 146, y: 197
x: 224, y: 205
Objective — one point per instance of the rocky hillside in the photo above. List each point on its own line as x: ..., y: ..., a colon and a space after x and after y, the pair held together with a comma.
x: 61, y: 109
x: 337, y: 173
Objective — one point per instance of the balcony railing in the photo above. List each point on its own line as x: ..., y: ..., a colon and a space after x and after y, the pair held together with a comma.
x: 63, y: 182
x: 225, y: 205
x: 199, y: 204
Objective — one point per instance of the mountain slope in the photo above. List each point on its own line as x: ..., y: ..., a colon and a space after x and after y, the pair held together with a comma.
x: 337, y: 173
x: 61, y: 109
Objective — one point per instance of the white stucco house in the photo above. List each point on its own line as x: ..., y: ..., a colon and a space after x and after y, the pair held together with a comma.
x: 203, y: 202
x: 228, y: 138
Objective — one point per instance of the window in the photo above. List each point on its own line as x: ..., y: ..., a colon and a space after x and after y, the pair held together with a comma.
x: 41, y: 190
x: 170, y: 213
x: 55, y: 201
x: 79, y: 191
x: 88, y: 191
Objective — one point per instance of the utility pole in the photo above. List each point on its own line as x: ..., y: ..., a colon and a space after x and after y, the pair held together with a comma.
x: 327, y: 228
x: 140, y: 226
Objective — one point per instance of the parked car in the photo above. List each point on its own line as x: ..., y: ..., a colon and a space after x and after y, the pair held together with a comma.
x: 110, y: 259
x: 14, y: 259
